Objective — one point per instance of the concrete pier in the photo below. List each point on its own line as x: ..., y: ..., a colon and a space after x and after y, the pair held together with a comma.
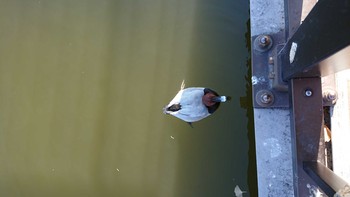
x: 280, y: 171
x: 272, y: 126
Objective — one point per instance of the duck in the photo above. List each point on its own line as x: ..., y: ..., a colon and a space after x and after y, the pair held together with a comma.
x: 194, y: 103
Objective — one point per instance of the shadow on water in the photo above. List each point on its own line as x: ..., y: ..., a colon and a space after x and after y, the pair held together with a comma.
x: 247, y: 103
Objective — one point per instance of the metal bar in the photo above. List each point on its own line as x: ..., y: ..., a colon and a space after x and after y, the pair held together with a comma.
x: 326, y: 179
x: 324, y: 31
x: 306, y: 122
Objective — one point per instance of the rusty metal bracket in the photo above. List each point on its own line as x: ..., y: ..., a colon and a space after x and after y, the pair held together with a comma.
x: 275, y: 60
x: 269, y: 89
x: 307, y: 126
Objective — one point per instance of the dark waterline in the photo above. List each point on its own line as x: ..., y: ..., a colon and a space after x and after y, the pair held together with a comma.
x: 247, y: 103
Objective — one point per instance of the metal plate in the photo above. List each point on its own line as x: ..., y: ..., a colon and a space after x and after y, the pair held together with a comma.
x: 307, y: 126
x: 266, y: 70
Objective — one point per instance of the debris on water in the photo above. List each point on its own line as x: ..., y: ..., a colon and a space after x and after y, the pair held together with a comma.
x: 239, y: 192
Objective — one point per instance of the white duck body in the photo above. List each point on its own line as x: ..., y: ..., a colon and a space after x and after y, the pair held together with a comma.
x: 192, y: 107
x: 193, y: 104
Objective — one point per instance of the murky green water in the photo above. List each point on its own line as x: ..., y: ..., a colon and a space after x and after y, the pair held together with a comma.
x: 82, y: 86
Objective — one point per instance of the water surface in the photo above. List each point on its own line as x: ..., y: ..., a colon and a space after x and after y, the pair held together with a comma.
x: 82, y: 86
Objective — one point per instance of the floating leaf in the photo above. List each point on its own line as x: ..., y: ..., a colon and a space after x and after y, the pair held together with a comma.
x: 239, y: 192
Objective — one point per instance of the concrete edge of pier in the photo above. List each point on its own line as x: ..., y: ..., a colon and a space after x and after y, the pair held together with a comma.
x: 275, y: 142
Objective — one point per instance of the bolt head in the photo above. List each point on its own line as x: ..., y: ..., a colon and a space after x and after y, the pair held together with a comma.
x: 263, y: 40
x: 264, y: 98
x: 263, y: 43
x: 308, y: 92
x: 330, y: 96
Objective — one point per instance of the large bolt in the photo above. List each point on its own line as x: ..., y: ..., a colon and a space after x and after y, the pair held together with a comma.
x: 330, y: 96
x: 263, y: 43
x: 264, y: 98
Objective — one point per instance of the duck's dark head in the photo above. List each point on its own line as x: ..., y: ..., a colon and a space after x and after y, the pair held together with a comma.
x: 212, y: 100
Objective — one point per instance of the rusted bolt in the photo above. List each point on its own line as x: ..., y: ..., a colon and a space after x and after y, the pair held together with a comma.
x: 263, y: 43
x: 264, y: 98
x: 308, y: 92
x: 330, y: 96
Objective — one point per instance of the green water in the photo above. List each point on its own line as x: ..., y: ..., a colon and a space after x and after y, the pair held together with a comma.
x: 83, y: 84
